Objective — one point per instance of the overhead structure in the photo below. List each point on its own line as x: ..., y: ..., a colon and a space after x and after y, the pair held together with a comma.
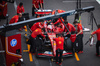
x: 13, y: 26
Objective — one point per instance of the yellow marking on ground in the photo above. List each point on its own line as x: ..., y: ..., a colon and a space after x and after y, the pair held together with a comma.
x: 30, y: 54
x: 28, y: 46
x: 25, y: 51
x: 77, y: 58
x: 30, y: 57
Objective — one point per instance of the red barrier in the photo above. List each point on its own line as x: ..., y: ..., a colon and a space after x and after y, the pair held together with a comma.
x: 12, y: 49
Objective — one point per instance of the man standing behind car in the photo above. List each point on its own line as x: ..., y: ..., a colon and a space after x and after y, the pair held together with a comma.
x: 35, y: 6
x: 59, y: 48
x: 79, y: 34
x: 41, y: 4
x: 97, y: 32
x: 20, y: 8
x: 70, y: 27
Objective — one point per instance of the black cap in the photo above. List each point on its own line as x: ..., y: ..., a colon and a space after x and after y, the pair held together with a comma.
x: 99, y: 26
x: 75, y: 22
x: 20, y: 4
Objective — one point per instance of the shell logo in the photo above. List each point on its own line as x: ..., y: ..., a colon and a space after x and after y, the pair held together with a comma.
x: 36, y: 30
x: 59, y: 42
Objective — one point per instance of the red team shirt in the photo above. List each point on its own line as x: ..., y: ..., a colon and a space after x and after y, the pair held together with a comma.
x: 36, y: 3
x: 62, y: 25
x: 20, y: 9
x: 59, y: 21
x: 36, y: 25
x: 36, y: 32
x: 41, y: 1
x: 79, y: 27
x: 71, y: 27
x: 59, y: 43
x: 97, y: 32
x: 58, y: 30
x: 14, y: 19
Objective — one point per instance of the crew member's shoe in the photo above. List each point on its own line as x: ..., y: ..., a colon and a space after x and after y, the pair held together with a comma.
x: 97, y: 55
x: 33, y: 53
x: 29, y: 52
x: 80, y: 52
x: 56, y: 62
x: 60, y: 63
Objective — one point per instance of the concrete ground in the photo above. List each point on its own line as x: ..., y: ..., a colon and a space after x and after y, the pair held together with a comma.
x: 88, y: 57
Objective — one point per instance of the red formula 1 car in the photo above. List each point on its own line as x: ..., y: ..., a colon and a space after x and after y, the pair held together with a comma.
x: 47, y: 47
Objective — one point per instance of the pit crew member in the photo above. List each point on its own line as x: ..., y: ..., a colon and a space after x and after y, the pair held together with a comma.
x: 59, y: 48
x: 20, y: 8
x: 58, y: 28
x: 15, y: 18
x: 41, y: 4
x: 33, y: 39
x: 60, y: 21
x: 79, y: 34
x: 37, y: 25
x: 70, y: 27
x: 97, y: 32
x: 35, y: 6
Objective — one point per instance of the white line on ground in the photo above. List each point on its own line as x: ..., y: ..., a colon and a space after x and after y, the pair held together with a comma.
x: 75, y: 1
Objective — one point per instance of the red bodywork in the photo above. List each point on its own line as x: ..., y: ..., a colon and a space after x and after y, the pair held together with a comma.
x: 52, y: 35
x: 43, y: 12
x: 53, y: 43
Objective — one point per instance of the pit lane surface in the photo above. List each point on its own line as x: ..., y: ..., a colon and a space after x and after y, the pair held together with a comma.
x: 88, y: 57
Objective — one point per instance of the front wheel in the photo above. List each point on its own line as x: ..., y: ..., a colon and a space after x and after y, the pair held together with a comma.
x: 68, y: 45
